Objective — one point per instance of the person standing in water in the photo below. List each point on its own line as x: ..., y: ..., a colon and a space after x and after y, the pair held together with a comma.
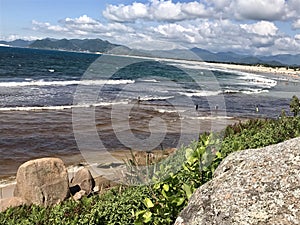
x: 256, y: 109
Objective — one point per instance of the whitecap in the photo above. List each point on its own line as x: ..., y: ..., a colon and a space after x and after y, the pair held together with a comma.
x: 61, y: 107
x: 65, y: 83
x: 152, y: 98
x: 151, y: 81
x: 200, y: 93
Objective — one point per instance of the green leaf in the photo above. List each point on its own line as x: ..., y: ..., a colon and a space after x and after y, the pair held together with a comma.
x: 189, y: 153
x: 148, y: 203
x: 147, y: 217
x: 164, y: 194
x: 187, y: 190
x: 179, y: 201
x: 166, y: 187
x: 219, y: 155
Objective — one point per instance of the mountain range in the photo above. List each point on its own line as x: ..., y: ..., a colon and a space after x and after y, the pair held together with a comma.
x: 98, y: 45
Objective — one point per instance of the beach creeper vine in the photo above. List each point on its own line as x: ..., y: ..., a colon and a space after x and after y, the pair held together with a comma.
x: 86, y: 98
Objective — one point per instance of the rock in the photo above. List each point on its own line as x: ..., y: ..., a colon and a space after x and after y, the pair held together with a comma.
x: 78, y: 195
x: 102, y: 184
x: 11, y: 202
x: 83, y: 178
x: 260, y: 186
x: 42, y: 182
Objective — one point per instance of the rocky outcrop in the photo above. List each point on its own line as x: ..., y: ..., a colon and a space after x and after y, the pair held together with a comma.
x: 260, y: 186
x: 42, y: 182
x: 84, y: 180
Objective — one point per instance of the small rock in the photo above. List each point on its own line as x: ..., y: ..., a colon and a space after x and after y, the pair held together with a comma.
x: 79, y: 195
x: 11, y: 202
x: 42, y: 182
x: 83, y: 178
x: 96, y: 189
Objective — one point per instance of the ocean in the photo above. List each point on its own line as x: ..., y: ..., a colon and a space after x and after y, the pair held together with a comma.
x: 65, y: 104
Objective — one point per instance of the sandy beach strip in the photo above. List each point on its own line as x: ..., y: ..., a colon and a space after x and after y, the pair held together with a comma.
x: 280, y: 71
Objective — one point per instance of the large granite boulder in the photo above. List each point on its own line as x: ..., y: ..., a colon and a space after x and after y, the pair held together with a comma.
x: 84, y: 180
x: 42, y: 182
x: 259, y: 186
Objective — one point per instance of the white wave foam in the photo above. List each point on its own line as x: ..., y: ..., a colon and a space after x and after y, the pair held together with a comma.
x: 254, y: 91
x: 169, y: 111
x: 248, y: 92
x: 151, y: 81
x: 64, y: 83
x: 151, y: 98
x: 200, y: 93
x: 209, y: 117
x: 62, y: 107
x: 258, y: 80
x: 254, y: 79
x: 229, y: 91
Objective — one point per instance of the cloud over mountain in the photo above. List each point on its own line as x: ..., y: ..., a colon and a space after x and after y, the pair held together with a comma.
x: 251, y: 26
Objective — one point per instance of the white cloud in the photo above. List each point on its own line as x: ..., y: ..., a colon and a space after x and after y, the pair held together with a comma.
x: 293, y: 9
x: 81, y: 20
x: 296, y: 24
x: 81, y: 26
x: 157, y: 10
x: 47, y: 26
x: 260, y: 9
x: 13, y: 37
x: 263, y: 28
x: 123, y: 13
x: 215, y: 35
x: 209, y: 24
x: 195, y: 9
x: 286, y: 45
x: 167, y: 10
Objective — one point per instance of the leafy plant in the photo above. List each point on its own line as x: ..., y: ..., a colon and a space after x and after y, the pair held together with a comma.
x: 295, y: 105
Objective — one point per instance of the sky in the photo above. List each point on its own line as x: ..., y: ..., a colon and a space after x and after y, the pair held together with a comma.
x: 260, y: 27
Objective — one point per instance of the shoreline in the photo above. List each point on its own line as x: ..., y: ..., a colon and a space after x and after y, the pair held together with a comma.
x: 260, y: 69
x: 76, y: 162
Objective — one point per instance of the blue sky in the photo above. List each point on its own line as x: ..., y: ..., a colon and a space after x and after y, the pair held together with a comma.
x: 244, y: 26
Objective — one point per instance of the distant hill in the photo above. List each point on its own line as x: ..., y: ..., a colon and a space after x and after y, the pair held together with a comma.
x: 230, y: 57
x: 98, y: 45
x: 89, y: 45
x: 16, y: 43
x: 286, y: 59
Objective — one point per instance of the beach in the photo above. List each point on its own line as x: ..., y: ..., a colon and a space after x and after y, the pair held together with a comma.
x: 283, y: 72
x: 48, y: 107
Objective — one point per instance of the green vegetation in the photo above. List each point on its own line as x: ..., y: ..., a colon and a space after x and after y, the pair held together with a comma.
x: 161, y: 200
x: 295, y: 105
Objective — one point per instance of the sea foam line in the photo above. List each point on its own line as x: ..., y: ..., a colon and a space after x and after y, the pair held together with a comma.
x: 151, y: 98
x: 256, y: 79
x: 64, y: 83
x: 200, y: 93
x: 61, y: 107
